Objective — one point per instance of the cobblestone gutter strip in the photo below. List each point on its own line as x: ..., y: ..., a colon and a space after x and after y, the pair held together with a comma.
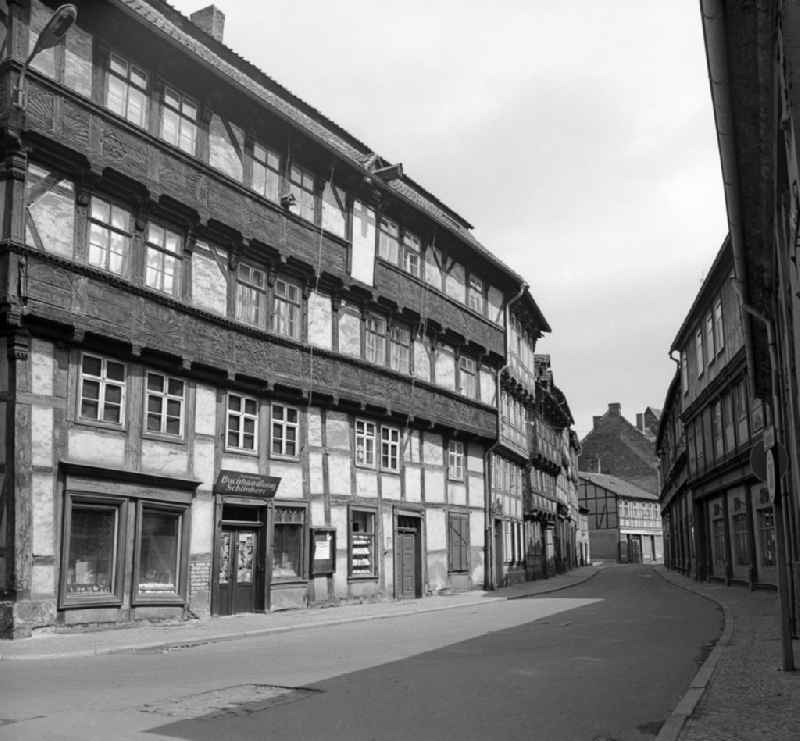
x: 674, y: 724
x: 558, y: 588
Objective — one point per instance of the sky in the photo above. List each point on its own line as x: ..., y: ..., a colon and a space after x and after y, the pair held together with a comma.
x: 577, y: 137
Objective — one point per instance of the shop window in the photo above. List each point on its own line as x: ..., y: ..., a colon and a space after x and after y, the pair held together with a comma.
x: 286, y: 309
x: 455, y: 460
x: 375, y: 336
x: 362, y: 543
x: 285, y: 426
x: 301, y: 186
x: 741, y: 539
x: 467, y: 378
x: 110, y: 230
x: 126, y: 90
x: 365, y: 443
x: 390, y: 449
x: 102, y: 390
x: 179, y: 120
x: 50, y: 212
x: 475, y: 293
x: 164, y: 404
x: 266, y: 172
x: 389, y: 241
x: 334, y: 210
x: 251, y: 295
x: 159, y: 552
x: 766, y: 537
x: 399, y: 344
x: 457, y: 541
x: 287, y: 543
x: 162, y: 260
x: 412, y: 254
x: 242, y: 425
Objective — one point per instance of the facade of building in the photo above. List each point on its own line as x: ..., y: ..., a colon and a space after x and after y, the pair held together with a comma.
x: 752, y: 53
x: 616, y: 447
x: 247, y: 364
x: 624, y: 520
x: 717, y: 514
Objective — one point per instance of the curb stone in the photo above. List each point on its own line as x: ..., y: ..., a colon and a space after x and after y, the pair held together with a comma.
x: 177, y: 643
x: 674, y: 724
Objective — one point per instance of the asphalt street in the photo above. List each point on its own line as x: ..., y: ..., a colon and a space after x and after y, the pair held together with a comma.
x: 608, y: 659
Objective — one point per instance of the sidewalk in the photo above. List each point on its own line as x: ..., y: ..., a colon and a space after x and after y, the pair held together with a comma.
x: 740, y: 692
x: 161, y: 637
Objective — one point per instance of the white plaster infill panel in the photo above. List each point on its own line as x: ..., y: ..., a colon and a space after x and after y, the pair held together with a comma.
x: 476, y: 493
x: 320, y: 321
x: 317, y: 513
x: 413, y: 476
x: 243, y: 463
x: 96, y: 446
x: 476, y: 529
x: 204, y: 463
x: 390, y: 486
x: 202, y: 525
x: 339, y: 474
x: 474, y: 458
x: 338, y: 431
x: 434, y: 486
x: 457, y: 493
x: 366, y: 483
x: 339, y: 522
x: 43, y: 580
x: 314, y: 427
x: 205, y: 415
x: 316, y: 482
x: 291, y: 475
x: 43, y: 514
x: 436, y: 530
x: 432, y: 451
x: 42, y: 365
x: 41, y: 435
x: 164, y: 458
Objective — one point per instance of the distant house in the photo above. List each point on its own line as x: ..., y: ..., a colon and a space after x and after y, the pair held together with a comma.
x: 624, y: 520
x: 616, y: 447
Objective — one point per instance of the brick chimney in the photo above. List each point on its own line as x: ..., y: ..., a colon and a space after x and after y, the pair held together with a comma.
x: 615, y: 409
x: 596, y: 422
x: 640, y: 421
x: 211, y: 20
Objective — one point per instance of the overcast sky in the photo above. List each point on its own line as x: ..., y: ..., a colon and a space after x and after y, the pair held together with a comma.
x: 577, y: 137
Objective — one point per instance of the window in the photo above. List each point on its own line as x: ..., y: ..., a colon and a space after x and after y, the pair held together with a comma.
x: 102, y: 395
x: 743, y: 429
x: 412, y: 249
x: 179, y: 120
x: 710, y: 350
x: 741, y: 539
x: 126, y: 91
x: 728, y: 422
x: 390, y: 449
x: 766, y: 537
x: 365, y: 443
x: 457, y: 541
x: 362, y: 543
x: 467, y: 377
x: 389, y: 241
x: 92, y: 561
x: 287, y: 543
x: 109, y: 236
x: 266, y: 172
x: 399, y: 343
x: 334, y: 210
x: 508, y: 544
x: 285, y: 426
x: 684, y: 372
x: 455, y: 460
x: 286, y: 309
x: 159, y: 551
x: 375, y: 328
x: 719, y: 326
x: 301, y: 186
x: 164, y: 404
x: 698, y: 346
x: 250, y: 294
x: 242, y: 422
x: 162, y: 259
x: 716, y: 430
x: 475, y: 293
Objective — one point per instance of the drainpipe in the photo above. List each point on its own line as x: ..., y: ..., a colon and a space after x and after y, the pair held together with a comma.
x: 488, y: 547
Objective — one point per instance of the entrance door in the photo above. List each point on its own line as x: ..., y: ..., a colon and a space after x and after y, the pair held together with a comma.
x: 408, y: 563
x: 238, y: 559
x: 498, y: 553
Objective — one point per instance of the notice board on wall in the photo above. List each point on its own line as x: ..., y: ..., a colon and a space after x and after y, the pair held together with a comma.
x: 323, y: 551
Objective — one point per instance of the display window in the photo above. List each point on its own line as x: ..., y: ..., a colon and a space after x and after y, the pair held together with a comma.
x: 288, y: 542
x: 362, y: 543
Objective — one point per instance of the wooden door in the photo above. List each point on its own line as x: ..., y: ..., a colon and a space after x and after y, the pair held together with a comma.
x: 236, y: 577
x: 408, y: 563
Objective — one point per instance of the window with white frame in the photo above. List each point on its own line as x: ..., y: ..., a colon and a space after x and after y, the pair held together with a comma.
x: 251, y: 294
x: 301, y: 186
x: 412, y: 254
x: 102, y: 389
x: 362, y: 543
x: 455, y: 460
x: 109, y: 236
x: 164, y: 404
x: 162, y: 259
x: 719, y: 326
x: 266, y: 172
x: 389, y: 240
x: 285, y: 427
x: 126, y: 90
x: 475, y: 294
x: 179, y: 120
x: 399, y: 344
x: 375, y: 336
x: 390, y: 449
x: 698, y: 348
x: 468, y: 385
x: 710, y: 349
x: 242, y: 423
x: 365, y: 443
x: 286, y: 309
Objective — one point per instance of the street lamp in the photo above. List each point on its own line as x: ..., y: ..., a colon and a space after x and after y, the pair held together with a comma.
x: 55, y: 30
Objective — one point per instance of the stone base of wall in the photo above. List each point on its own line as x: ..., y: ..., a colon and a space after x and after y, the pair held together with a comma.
x: 200, y: 585
x: 20, y: 619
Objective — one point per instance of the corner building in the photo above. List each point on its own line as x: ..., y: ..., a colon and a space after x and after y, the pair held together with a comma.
x: 209, y: 288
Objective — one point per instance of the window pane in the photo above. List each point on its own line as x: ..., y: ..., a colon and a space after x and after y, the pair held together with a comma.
x: 158, y: 567
x: 91, y: 365
x: 92, y: 550
x: 287, y: 550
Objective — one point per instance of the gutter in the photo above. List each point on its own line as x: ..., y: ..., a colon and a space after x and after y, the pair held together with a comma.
x: 488, y: 582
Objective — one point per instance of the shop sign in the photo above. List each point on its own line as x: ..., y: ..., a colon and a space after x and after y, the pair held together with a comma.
x: 246, y: 484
